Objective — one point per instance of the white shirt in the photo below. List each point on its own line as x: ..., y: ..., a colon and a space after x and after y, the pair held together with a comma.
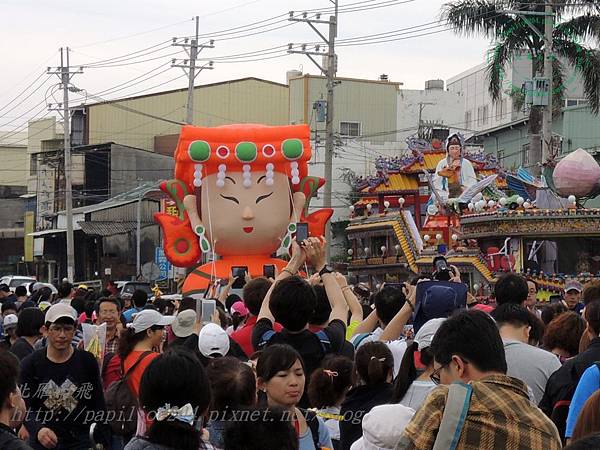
x: 397, y: 346
x: 417, y: 393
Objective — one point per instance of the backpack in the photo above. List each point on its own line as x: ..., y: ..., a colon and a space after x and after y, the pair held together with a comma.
x: 563, y: 398
x: 313, y: 426
x: 121, y: 403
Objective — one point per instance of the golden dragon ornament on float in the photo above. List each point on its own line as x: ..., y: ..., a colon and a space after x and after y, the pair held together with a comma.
x: 239, y: 191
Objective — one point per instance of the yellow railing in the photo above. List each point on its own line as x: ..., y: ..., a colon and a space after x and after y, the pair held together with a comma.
x: 405, y: 246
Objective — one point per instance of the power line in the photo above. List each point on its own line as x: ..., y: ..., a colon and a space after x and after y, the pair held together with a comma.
x: 132, y: 35
x: 23, y: 91
x: 136, y: 111
x: 133, y: 62
x: 162, y: 44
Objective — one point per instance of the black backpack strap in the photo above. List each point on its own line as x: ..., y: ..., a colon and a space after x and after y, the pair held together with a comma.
x: 125, y: 375
x: 313, y: 425
x: 106, y: 361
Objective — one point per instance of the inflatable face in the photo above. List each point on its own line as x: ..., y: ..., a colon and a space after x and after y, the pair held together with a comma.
x: 239, y: 189
x: 250, y: 218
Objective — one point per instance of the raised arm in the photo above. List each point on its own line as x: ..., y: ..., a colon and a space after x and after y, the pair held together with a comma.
x: 292, y: 268
x: 396, y: 326
x: 225, y: 290
x: 356, y: 311
x: 315, y: 251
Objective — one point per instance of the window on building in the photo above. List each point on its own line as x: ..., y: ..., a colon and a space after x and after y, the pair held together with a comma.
x: 33, y: 165
x: 525, y: 155
x: 479, y: 115
x: 500, y: 155
x: 515, y: 107
x: 350, y: 129
x: 498, y: 110
x: 571, y: 102
x: 486, y: 113
x: 504, y: 107
x: 468, y: 119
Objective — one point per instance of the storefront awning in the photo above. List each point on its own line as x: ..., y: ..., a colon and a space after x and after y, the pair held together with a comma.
x: 109, y: 228
x: 47, y: 232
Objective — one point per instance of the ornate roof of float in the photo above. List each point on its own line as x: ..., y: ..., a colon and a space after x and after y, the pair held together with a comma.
x: 400, y: 173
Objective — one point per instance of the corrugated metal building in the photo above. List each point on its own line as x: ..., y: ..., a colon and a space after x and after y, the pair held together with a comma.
x: 246, y: 100
x: 361, y: 107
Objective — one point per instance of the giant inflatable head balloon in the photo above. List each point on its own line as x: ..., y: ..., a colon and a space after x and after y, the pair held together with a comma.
x: 239, y: 189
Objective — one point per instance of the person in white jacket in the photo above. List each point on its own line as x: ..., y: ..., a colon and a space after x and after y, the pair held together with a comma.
x: 454, y: 173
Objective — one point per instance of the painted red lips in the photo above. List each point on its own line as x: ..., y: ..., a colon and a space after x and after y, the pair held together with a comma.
x: 248, y: 229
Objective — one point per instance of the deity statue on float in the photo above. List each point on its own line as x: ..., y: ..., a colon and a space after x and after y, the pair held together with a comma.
x: 454, y: 173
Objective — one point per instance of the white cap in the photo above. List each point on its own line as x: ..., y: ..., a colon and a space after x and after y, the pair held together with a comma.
x: 149, y: 318
x: 10, y: 320
x: 213, y: 340
x: 184, y: 323
x: 425, y: 334
x: 383, y: 427
x: 59, y: 310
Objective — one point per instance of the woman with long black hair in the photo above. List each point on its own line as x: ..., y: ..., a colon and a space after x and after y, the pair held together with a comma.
x: 373, y: 374
x: 175, y: 395
x: 412, y: 384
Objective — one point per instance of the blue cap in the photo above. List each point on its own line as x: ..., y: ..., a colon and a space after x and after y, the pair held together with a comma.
x: 438, y: 299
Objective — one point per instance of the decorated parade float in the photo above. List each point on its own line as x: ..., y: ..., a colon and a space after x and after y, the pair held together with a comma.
x: 447, y: 198
x: 240, y: 191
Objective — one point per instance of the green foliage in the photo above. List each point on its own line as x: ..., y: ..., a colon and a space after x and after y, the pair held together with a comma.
x: 576, y: 30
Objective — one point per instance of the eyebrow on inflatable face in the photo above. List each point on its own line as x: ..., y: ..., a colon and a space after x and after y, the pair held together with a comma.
x: 261, y: 178
x: 230, y: 179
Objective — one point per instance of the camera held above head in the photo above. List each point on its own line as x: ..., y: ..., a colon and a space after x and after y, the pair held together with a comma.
x: 442, y: 271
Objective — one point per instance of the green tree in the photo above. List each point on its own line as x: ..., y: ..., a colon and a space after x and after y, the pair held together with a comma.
x: 576, y: 33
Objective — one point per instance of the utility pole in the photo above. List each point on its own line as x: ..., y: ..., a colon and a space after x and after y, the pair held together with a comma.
x: 330, y: 73
x: 548, y: 75
x: 65, y: 76
x: 540, y: 146
x: 192, y: 49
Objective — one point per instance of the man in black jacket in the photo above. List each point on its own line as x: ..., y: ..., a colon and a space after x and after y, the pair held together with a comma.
x: 12, y: 405
x: 62, y: 387
x: 562, y: 383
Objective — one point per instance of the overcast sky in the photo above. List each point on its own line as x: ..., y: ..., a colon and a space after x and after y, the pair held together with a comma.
x: 32, y: 31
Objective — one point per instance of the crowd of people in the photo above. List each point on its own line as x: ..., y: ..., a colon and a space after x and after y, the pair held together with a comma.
x: 303, y: 363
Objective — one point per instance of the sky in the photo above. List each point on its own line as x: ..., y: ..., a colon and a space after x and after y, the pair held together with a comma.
x: 32, y: 31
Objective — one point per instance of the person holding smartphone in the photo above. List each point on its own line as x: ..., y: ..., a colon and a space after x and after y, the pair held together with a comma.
x: 291, y: 301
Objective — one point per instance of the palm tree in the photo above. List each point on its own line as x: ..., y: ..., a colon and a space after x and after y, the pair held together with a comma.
x: 577, y: 25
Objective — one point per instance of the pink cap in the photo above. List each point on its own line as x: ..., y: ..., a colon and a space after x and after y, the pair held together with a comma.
x: 485, y: 308
x: 240, y: 308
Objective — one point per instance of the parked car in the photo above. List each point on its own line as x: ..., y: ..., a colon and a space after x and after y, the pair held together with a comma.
x: 16, y: 280
x: 50, y: 286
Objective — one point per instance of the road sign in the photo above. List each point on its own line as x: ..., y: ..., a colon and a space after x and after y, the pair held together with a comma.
x: 162, y: 262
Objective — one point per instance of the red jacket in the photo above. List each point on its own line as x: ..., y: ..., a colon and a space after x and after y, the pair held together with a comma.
x: 243, y: 336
